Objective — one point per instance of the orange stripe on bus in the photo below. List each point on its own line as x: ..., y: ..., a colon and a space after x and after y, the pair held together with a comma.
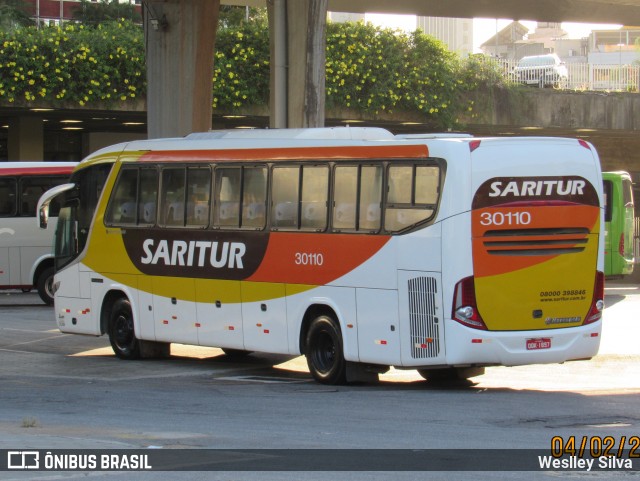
x: 487, y: 242
x: 340, y: 254
x: 293, y: 153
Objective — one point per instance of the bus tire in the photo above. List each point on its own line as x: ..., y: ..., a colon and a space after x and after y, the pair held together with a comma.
x: 122, y: 336
x: 324, y: 353
x: 44, y: 284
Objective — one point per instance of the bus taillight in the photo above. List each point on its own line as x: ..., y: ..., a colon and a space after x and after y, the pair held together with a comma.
x: 597, y: 304
x: 465, y: 309
x: 621, y: 245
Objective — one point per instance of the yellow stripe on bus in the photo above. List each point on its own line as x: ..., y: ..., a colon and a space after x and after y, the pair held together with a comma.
x: 547, y: 293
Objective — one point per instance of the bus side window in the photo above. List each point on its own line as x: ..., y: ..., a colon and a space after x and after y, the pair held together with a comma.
x: 198, y: 196
x: 254, y: 199
x: 411, y: 196
x: 172, y: 192
x: 627, y: 193
x: 122, y: 205
x: 284, y: 197
x: 315, y: 192
x: 7, y: 197
x: 148, y: 198
x: 357, y: 198
x: 370, y: 197
x: 608, y: 200
x: 227, y: 197
x: 427, y: 183
x: 345, y: 197
x: 30, y: 190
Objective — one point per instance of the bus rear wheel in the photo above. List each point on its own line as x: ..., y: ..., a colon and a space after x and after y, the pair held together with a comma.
x: 44, y: 284
x: 122, y: 336
x: 324, y: 352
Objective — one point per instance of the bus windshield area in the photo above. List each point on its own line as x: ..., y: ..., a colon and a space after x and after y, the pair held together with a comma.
x: 76, y: 215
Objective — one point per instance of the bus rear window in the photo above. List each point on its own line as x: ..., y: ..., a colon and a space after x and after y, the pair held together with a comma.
x: 627, y: 193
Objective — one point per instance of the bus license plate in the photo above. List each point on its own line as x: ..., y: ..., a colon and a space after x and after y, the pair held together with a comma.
x: 539, y: 343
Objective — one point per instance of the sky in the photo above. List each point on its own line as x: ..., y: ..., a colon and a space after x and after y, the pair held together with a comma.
x: 485, y: 28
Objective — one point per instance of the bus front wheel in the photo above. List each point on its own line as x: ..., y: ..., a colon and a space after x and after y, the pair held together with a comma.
x: 324, y: 351
x: 121, y: 332
x: 44, y: 284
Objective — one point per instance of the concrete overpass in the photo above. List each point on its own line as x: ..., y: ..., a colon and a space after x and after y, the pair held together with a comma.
x: 181, y: 44
x: 624, y: 12
x: 180, y: 41
x: 611, y: 121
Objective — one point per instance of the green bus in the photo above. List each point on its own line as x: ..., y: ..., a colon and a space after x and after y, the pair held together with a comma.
x: 619, y: 218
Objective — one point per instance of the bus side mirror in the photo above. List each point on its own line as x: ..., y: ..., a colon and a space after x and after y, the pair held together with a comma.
x: 43, y: 216
x: 45, y: 201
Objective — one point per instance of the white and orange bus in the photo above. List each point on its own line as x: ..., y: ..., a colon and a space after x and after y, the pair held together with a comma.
x: 357, y: 248
x: 26, y: 252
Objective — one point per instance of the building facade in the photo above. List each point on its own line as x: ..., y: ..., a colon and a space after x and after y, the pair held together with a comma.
x: 456, y: 33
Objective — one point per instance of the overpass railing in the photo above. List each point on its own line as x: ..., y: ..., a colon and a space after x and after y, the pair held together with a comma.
x: 586, y: 76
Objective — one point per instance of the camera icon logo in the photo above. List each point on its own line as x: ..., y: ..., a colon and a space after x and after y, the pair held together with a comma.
x: 23, y: 460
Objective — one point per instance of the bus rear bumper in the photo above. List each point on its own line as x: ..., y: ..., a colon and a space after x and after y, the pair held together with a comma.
x: 465, y: 346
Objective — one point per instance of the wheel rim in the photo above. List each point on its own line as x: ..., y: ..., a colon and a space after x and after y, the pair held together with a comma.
x: 324, y: 352
x: 123, y: 332
x: 48, y: 287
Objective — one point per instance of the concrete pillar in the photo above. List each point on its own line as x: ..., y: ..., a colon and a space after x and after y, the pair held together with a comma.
x: 26, y: 139
x: 298, y: 44
x: 180, y: 37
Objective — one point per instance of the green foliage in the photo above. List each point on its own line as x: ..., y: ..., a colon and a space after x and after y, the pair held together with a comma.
x: 14, y: 14
x: 73, y: 63
x: 241, y: 67
x: 381, y: 70
x: 94, y: 13
x: 480, y: 71
x: 370, y: 70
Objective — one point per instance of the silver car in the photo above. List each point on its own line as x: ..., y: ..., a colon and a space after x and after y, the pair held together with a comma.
x: 542, y: 70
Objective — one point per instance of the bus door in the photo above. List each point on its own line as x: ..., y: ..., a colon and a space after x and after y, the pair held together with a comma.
x: 264, y: 317
x: 378, y: 326
x: 174, y: 308
x: 629, y: 218
x: 609, y: 201
x: 219, y: 313
x: 4, y: 264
